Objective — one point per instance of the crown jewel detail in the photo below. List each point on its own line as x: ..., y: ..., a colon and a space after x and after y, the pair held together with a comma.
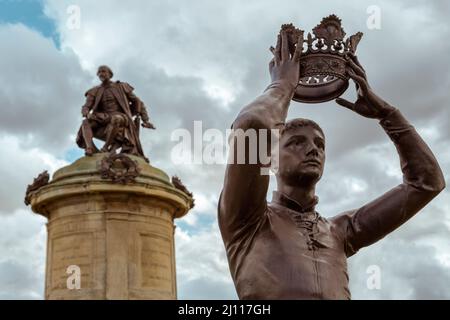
x: 322, y: 62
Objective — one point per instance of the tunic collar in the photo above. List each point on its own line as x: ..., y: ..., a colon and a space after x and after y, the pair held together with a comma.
x: 285, y: 201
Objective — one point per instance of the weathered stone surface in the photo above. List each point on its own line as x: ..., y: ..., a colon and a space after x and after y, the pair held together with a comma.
x: 120, y: 235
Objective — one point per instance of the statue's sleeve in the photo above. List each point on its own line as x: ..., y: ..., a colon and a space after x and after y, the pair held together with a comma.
x: 138, y: 105
x: 422, y: 181
x: 242, y: 202
x: 90, y: 100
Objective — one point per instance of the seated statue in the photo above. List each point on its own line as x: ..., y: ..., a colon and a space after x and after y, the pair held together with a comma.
x: 112, y: 113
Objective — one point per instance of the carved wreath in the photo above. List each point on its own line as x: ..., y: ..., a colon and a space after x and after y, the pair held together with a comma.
x: 119, y: 168
x: 180, y: 186
x: 38, y: 182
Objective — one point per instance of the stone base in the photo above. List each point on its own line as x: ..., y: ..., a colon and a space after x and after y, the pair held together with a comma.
x: 121, y: 236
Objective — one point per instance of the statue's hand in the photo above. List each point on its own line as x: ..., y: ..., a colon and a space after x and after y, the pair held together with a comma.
x: 148, y: 125
x: 284, y: 66
x: 368, y: 104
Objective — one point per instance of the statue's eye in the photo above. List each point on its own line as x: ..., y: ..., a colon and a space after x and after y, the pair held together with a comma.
x: 296, y: 142
x: 320, y: 144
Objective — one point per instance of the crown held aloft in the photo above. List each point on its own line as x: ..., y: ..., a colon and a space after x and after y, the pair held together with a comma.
x: 322, y: 61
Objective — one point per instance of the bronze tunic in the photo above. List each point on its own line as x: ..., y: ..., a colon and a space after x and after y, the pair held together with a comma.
x: 109, y: 103
x: 294, y: 255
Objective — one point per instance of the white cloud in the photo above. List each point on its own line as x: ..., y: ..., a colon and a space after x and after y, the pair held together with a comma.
x: 22, y: 260
x: 202, y: 268
x: 18, y: 166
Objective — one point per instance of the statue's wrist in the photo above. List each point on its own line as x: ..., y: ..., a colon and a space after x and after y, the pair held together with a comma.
x: 386, y: 111
x: 395, y: 124
x: 282, y: 85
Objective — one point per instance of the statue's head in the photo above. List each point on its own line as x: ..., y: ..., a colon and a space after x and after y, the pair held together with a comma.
x: 104, y: 73
x: 301, y: 153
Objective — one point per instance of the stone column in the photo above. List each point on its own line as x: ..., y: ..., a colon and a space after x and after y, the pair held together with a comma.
x: 119, y: 235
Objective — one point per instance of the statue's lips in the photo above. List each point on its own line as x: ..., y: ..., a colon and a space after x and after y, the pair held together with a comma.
x: 312, y: 162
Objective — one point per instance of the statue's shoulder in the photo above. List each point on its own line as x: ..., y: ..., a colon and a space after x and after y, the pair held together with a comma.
x: 92, y: 91
x: 125, y: 86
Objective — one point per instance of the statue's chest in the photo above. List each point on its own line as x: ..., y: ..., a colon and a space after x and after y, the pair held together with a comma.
x: 109, y: 101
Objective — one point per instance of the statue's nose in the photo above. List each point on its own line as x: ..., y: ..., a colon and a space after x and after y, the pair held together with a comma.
x: 312, y: 150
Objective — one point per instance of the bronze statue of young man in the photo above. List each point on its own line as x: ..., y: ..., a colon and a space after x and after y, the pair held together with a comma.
x: 284, y: 249
x: 112, y: 113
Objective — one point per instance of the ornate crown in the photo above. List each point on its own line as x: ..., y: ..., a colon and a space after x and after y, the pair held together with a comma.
x: 322, y: 64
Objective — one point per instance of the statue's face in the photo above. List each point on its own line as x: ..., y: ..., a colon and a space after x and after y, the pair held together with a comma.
x: 301, y: 156
x: 103, y: 74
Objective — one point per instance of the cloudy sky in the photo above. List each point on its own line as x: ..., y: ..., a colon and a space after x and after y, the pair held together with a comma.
x: 202, y: 61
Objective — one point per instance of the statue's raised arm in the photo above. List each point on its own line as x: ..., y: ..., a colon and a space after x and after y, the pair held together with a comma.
x: 243, y: 198
x: 422, y: 176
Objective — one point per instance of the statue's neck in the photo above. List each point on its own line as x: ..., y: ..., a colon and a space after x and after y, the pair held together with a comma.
x: 303, y: 195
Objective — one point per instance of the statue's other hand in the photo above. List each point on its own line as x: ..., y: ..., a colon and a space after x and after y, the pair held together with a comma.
x: 368, y: 104
x: 148, y: 125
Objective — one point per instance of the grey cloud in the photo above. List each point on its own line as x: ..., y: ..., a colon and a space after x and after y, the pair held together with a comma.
x: 206, y: 288
x: 203, y: 268
x: 18, y: 282
x: 18, y: 167
x: 41, y: 89
x: 408, y: 271
x: 22, y: 258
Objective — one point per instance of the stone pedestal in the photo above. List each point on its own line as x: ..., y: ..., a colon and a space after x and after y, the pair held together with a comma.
x: 120, y: 236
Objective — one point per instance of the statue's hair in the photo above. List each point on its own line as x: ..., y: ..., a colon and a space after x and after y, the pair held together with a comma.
x: 107, y: 68
x: 300, y: 123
